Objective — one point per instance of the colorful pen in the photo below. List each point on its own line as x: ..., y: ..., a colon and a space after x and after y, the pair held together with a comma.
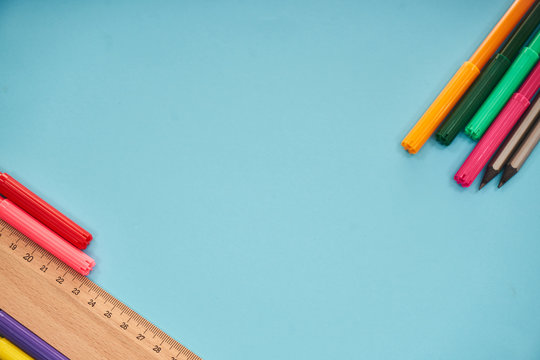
x: 463, y: 79
x: 519, y: 69
x: 26, y: 340
x: 8, y: 351
x: 500, y: 128
x: 45, y: 237
x: 511, y: 143
x: 43, y: 212
x: 460, y: 116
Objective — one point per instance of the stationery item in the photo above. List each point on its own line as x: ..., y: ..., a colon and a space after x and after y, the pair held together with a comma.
x: 463, y: 79
x: 8, y: 351
x: 43, y: 212
x: 90, y: 324
x: 496, y: 133
x: 511, y: 143
x: 44, y: 237
x: 522, y: 154
x: 519, y: 69
x: 488, y: 78
x: 26, y: 340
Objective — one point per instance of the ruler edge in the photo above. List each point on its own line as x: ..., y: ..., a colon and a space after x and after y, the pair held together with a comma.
x: 87, y: 282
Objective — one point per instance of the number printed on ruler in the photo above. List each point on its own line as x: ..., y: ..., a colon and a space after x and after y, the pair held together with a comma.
x: 90, y: 296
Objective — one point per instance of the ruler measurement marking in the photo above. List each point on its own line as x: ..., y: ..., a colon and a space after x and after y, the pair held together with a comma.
x: 8, y: 236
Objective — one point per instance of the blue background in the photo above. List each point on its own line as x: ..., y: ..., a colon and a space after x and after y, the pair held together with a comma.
x: 240, y: 167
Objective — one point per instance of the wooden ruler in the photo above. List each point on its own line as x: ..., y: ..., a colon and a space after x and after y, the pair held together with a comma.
x: 70, y: 312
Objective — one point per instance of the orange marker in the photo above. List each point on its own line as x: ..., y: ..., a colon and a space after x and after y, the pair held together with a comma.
x: 463, y: 79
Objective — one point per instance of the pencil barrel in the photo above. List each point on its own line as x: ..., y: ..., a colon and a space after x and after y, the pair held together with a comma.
x: 442, y: 105
x: 474, y: 98
x: 44, y: 212
x: 526, y: 148
x: 514, y: 139
x: 46, y: 238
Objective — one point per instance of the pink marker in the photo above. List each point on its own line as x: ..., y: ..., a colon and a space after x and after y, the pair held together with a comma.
x: 45, y: 237
x: 499, y: 129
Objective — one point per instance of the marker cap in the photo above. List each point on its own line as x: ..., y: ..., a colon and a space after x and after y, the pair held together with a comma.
x: 44, y: 237
x: 44, y: 212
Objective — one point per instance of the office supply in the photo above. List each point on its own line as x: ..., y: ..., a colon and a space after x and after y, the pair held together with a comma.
x: 26, y: 340
x: 43, y: 212
x: 521, y: 154
x: 519, y: 69
x: 8, y: 351
x: 500, y: 128
x: 47, y: 239
x: 511, y: 143
x: 463, y: 112
x: 94, y: 325
x: 464, y: 77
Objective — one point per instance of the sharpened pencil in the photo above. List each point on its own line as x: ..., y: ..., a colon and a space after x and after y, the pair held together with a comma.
x: 511, y: 143
x: 522, y: 154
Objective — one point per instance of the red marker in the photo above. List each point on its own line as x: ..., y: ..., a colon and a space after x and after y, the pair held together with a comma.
x: 43, y: 212
x: 45, y: 238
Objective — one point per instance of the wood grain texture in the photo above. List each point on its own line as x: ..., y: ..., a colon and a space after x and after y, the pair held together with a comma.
x: 72, y: 313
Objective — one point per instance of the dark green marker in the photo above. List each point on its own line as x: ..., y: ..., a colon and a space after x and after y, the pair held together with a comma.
x: 488, y: 79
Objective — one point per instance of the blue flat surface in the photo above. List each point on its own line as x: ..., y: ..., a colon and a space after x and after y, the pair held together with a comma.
x: 240, y: 167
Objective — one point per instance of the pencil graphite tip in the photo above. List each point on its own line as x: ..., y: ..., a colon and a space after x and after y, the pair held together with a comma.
x: 508, y: 173
x: 489, y: 174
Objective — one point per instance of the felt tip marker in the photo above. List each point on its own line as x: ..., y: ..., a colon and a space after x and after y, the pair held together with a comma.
x: 45, y: 238
x: 463, y: 79
x: 488, y: 79
x: 26, y: 340
x: 8, y: 351
x: 43, y: 212
x: 511, y: 80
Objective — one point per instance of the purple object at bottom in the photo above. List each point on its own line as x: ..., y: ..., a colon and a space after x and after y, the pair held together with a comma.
x: 26, y: 340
